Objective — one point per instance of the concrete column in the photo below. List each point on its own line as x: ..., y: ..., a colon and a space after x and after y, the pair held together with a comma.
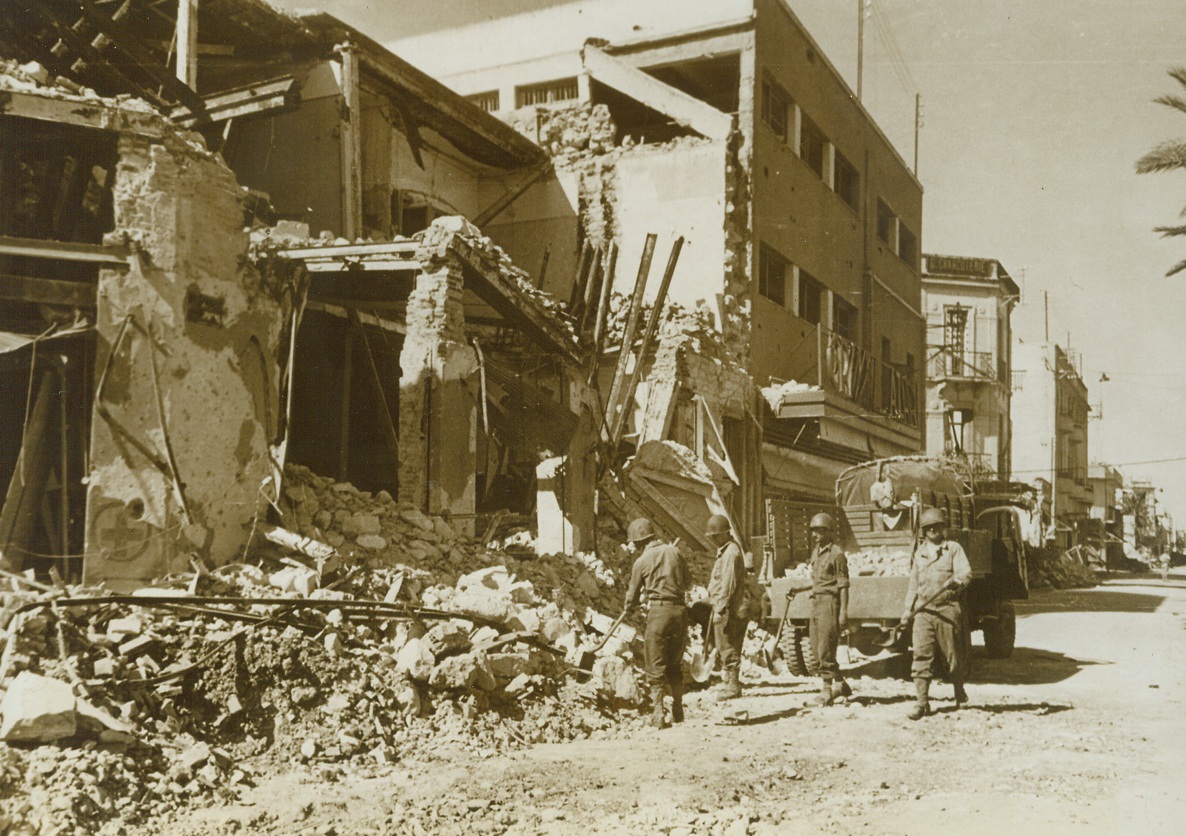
x: 438, y: 411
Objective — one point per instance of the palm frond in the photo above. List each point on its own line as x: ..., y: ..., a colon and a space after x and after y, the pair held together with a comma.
x: 1165, y: 157
x: 1177, y: 268
x: 1176, y: 102
x: 1179, y: 75
x: 1170, y: 231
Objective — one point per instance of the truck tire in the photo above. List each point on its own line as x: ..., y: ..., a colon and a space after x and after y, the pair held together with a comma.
x: 810, y: 663
x: 1000, y: 635
x: 789, y: 645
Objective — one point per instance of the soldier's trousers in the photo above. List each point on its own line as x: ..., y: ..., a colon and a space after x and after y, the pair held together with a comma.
x: 940, y: 635
x: 825, y: 633
x: 730, y: 636
x: 663, y: 643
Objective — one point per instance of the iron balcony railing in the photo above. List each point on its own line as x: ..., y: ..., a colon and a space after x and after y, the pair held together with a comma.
x: 839, y: 365
x: 972, y: 365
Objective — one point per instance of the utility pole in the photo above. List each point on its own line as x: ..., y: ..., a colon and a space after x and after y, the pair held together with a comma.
x: 917, y: 127
x: 860, y: 45
x: 1046, y: 311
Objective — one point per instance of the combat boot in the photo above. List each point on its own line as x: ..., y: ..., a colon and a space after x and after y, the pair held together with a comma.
x: 677, y: 702
x: 826, y: 696
x: 923, y: 707
x: 841, y: 691
x: 658, y: 720
x: 730, y: 688
x: 961, y: 696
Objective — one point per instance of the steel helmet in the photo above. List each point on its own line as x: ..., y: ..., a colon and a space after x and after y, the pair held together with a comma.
x: 639, y: 530
x: 718, y: 524
x: 822, y: 521
x: 932, y: 516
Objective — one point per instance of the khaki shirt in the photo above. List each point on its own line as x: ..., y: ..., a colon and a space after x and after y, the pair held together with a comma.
x: 829, y: 570
x: 660, y: 575
x: 933, y: 566
x: 726, y: 586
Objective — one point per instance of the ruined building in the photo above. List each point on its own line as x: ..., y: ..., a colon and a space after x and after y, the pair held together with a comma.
x: 174, y: 363
x: 802, y: 223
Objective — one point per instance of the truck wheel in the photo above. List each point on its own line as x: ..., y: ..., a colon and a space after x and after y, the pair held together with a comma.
x: 810, y: 663
x: 1001, y: 635
x: 789, y: 645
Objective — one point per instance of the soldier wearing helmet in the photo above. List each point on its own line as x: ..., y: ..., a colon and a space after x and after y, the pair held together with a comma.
x: 939, y: 571
x: 829, y: 605
x: 660, y: 577
x: 727, y: 594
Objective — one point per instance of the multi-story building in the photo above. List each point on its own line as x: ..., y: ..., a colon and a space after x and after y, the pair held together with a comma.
x: 1049, y: 408
x: 969, y: 361
x: 732, y: 129
x: 1104, y: 531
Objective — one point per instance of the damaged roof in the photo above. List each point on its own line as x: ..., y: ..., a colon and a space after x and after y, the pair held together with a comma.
x: 127, y: 47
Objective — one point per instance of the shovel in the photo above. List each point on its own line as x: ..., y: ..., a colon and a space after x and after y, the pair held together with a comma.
x: 891, y: 635
x: 702, y: 663
x: 771, y: 653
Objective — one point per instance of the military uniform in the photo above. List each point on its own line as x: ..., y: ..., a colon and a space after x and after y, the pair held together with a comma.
x: 726, y: 592
x: 829, y: 575
x: 660, y: 577
x: 939, y: 630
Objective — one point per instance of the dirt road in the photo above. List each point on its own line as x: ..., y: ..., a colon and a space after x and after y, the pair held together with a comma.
x: 1080, y: 732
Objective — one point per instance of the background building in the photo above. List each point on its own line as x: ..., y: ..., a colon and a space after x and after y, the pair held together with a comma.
x: 969, y: 361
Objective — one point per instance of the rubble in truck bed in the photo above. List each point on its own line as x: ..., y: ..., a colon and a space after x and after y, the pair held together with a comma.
x: 410, y: 643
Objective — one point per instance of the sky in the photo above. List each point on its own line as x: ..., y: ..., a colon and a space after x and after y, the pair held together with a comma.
x: 1034, y: 113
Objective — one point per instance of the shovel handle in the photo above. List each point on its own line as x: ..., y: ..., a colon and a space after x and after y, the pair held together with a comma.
x: 610, y: 631
x: 897, y: 629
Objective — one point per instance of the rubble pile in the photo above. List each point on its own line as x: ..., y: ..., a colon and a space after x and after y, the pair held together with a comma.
x: 873, y: 562
x: 411, y: 642
x: 576, y: 129
x: 775, y: 394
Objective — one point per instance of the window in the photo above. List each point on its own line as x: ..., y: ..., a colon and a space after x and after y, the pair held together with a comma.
x: 811, y: 146
x: 772, y: 275
x: 488, y: 101
x: 847, y: 181
x: 811, y: 295
x: 776, y: 108
x: 958, y: 435
x: 885, y: 222
x: 907, y: 245
x: 547, y: 92
x: 844, y: 318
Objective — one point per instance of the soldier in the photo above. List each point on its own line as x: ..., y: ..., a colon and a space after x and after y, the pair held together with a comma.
x: 660, y: 577
x: 727, y: 594
x: 829, y: 605
x: 939, y: 570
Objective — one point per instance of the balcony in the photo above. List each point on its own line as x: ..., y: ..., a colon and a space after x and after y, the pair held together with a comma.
x: 839, y: 367
x: 965, y: 365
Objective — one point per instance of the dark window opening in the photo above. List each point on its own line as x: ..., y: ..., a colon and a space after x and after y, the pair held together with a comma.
x: 548, y: 92
x: 772, y: 275
x: 847, y: 181
x: 488, y: 101
x: 907, y: 245
x: 844, y: 318
x: 811, y: 295
x: 645, y: 125
x: 811, y: 146
x: 885, y: 222
x: 776, y: 108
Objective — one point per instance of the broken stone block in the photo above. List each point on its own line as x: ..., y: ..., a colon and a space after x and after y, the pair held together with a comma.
x: 484, y: 675
x: 510, y: 665
x: 104, y: 667
x: 37, y: 709
x: 366, y: 523
x: 371, y: 542
x: 522, y: 592
x: 614, y: 675
x: 416, y: 518
x: 521, y: 685
x: 492, y: 577
x: 482, y: 602
x: 454, y: 672
x: 96, y: 723
x: 588, y: 585
x: 525, y: 621
x: 483, y: 636
x: 447, y: 637
x: 415, y: 660
x: 309, y: 748
x: 136, y: 646
x: 194, y: 757
x: 553, y: 629
x: 118, y: 628
x: 444, y: 530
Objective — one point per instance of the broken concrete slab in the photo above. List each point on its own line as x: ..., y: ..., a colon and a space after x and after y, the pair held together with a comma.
x: 37, y: 709
x: 415, y: 660
x: 447, y: 638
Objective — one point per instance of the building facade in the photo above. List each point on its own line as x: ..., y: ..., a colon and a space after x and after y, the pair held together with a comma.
x: 1050, y: 409
x: 802, y: 222
x: 968, y: 302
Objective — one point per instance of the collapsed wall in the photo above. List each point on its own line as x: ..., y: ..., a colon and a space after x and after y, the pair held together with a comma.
x: 187, y: 389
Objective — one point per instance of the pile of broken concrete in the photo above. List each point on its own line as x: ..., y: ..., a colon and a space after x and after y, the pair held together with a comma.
x: 121, y: 708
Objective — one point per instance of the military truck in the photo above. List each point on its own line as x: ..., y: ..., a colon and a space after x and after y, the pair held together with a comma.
x: 878, y: 505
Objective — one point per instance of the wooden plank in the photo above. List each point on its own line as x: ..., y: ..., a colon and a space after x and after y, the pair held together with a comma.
x: 675, y: 481
x: 63, y: 251
x: 407, y: 248
x: 651, y: 493
x: 47, y: 291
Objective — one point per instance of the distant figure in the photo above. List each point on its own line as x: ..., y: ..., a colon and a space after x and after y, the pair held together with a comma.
x: 660, y: 577
x: 727, y: 592
x: 1165, y: 566
x: 829, y: 605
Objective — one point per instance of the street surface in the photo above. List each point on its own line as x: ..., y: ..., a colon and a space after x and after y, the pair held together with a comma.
x: 1081, y: 731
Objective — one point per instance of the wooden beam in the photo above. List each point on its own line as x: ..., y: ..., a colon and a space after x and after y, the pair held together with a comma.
x: 74, y: 110
x: 47, y: 291
x: 187, y: 43
x: 407, y: 248
x: 686, y: 110
x: 63, y: 251
x: 351, y: 142
x: 276, y: 94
